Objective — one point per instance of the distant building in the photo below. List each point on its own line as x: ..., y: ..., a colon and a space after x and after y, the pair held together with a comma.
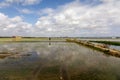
x: 16, y: 38
x: 113, y: 37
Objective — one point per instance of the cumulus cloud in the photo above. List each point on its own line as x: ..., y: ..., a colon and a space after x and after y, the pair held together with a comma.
x: 31, y: 2
x: 14, y: 26
x: 25, y: 11
x: 72, y: 19
x: 45, y: 11
x: 3, y: 4
x: 6, y: 3
x: 76, y: 19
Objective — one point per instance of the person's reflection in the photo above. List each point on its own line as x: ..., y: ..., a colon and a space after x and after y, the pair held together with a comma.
x: 49, y: 43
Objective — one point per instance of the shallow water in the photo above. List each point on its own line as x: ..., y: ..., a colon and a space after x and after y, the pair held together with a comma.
x: 56, y: 61
x: 115, y: 47
x: 110, y: 46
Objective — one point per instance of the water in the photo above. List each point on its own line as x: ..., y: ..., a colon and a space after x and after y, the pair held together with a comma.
x: 115, y: 47
x: 110, y: 46
x: 56, y: 61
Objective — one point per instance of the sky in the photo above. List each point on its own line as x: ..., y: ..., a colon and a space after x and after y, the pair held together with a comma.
x: 60, y: 18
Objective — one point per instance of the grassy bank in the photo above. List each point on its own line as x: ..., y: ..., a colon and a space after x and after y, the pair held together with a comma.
x: 108, y: 42
x: 88, y: 45
x: 97, y: 47
x: 32, y: 39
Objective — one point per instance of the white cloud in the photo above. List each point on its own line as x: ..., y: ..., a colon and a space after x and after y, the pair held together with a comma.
x: 3, y: 4
x: 73, y: 19
x: 14, y: 26
x: 16, y: 19
x: 25, y: 11
x: 6, y: 3
x: 76, y: 19
x: 45, y: 11
x: 109, y: 1
x: 31, y: 2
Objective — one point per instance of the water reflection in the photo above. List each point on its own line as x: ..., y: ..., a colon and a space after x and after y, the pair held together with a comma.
x: 109, y: 46
x: 49, y: 43
x: 57, y: 61
x: 115, y: 47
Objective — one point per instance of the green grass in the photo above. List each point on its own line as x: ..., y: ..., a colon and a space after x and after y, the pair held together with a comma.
x: 5, y: 39
x: 31, y: 39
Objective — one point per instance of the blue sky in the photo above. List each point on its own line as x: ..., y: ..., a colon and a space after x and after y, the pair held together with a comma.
x: 13, y: 10
x: 82, y: 18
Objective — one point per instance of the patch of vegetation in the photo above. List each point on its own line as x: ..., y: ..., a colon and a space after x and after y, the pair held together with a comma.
x: 31, y: 39
x: 106, y: 51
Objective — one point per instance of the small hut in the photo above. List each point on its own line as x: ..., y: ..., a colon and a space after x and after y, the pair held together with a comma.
x: 16, y: 38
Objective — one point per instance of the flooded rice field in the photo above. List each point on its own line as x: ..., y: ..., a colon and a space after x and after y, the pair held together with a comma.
x: 56, y: 61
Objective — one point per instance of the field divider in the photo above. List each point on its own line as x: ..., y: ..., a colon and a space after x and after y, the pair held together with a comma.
x: 100, y: 47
